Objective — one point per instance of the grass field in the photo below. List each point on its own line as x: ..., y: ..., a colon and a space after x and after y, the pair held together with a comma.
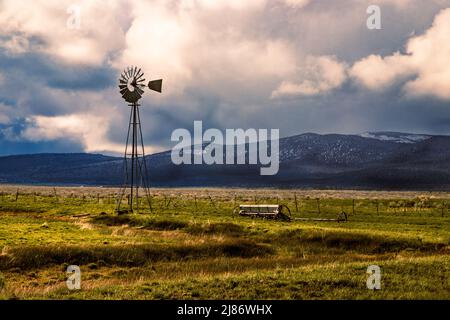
x: 192, y: 247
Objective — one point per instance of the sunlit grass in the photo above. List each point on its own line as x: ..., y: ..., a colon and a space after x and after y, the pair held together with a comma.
x: 191, y: 246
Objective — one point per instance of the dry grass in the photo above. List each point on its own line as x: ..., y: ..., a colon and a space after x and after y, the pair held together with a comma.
x: 193, y: 248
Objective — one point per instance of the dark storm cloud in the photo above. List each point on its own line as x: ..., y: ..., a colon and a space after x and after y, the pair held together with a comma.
x: 32, y: 67
x: 210, y: 70
x: 11, y: 142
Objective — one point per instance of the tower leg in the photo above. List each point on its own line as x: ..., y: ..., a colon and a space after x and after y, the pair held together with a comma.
x: 138, y: 177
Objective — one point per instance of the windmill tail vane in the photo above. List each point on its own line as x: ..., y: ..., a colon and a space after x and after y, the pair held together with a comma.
x: 135, y: 173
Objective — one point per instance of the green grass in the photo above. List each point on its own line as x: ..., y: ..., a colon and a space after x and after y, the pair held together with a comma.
x: 192, y: 247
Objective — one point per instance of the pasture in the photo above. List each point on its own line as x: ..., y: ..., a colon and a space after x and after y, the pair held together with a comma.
x: 191, y: 246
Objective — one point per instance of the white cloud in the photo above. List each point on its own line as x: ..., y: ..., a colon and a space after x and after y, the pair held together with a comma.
x: 90, y: 130
x: 100, y: 32
x: 200, y: 48
x: 426, y: 60
x: 297, y: 3
x: 319, y: 75
x: 377, y: 73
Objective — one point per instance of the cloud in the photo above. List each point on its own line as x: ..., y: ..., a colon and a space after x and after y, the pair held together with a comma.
x: 221, y: 4
x: 100, y: 32
x: 5, y: 114
x: 425, y: 61
x: 297, y: 3
x: 377, y: 73
x: 401, y: 4
x: 196, y: 46
x: 228, y: 63
x: 15, y: 44
x: 320, y: 75
x: 88, y: 129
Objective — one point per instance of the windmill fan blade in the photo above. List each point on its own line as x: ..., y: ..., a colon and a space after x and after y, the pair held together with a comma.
x: 139, y: 90
x: 132, y: 84
x: 140, y: 75
x: 155, y: 85
x: 126, y: 95
x: 134, y: 96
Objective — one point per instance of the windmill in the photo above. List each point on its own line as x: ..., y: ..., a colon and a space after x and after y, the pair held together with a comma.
x: 131, y: 85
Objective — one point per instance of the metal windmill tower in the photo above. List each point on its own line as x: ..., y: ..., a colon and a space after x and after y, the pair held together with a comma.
x: 131, y: 85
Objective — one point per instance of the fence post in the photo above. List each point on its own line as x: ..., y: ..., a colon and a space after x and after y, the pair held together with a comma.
x: 17, y: 195
x: 353, y: 206
x: 150, y: 200
x: 318, y: 204
x: 168, y: 202
x: 296, y: 204
x: 212, y: 202
x: 56, y: 196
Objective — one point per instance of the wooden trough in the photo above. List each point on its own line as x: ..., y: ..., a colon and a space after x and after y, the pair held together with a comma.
x: 279, y: 211
x: 267, y: 211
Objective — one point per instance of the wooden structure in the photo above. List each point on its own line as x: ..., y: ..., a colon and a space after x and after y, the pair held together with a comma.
x: 267, y: 211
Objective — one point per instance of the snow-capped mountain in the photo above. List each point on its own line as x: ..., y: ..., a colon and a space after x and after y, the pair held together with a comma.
x: 398, y: 137
x: 382, y: 160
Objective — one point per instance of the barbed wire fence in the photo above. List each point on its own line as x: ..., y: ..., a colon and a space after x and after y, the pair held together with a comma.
x: 206, y: 201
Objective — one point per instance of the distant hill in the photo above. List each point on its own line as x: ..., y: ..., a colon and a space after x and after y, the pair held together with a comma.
x: 379, y: 160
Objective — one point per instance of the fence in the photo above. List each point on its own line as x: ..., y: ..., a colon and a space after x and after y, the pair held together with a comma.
x: 204, y: 201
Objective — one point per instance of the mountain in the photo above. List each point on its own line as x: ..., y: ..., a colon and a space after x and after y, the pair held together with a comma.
x: 378, y: 160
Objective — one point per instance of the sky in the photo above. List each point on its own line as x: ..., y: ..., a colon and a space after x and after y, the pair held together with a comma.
x: 294, y: 65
